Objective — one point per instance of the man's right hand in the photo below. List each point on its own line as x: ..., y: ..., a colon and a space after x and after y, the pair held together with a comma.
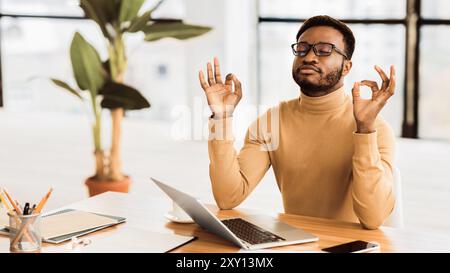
x: 222, y: 99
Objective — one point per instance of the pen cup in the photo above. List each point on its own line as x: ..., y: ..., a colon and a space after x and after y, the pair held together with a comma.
x: 25, y: 233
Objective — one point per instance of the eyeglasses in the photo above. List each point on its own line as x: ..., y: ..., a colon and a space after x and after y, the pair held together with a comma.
x: 320, y: 49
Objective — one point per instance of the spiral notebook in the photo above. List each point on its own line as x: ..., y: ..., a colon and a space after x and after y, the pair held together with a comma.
x: 65, y: 224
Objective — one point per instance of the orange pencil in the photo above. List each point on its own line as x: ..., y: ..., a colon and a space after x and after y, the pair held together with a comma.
x: 16, y: 208
x: 5, y: 203
x: 43, y: 201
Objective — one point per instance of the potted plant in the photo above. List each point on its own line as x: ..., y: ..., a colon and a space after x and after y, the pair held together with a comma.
x: 104, y: 80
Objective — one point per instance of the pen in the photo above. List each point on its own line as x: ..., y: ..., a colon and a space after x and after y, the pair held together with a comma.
x: 32, y: 209
x: 26, y: 208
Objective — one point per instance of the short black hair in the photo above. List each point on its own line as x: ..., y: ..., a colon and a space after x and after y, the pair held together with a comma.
x: 325, y: 20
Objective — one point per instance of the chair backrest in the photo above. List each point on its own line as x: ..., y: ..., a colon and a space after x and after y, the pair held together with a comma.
x: 396, y: 218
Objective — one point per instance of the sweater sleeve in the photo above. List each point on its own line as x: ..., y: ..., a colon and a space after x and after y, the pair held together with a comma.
x: 372, y: 185
x: 234, y: 176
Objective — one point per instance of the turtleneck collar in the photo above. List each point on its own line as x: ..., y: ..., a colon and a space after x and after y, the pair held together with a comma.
x: 322, y: 104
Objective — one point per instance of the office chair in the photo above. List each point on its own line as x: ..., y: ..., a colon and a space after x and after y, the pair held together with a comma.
x: 396, y: 218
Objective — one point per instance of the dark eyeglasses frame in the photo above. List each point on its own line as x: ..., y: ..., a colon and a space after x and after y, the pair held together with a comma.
x: 313, y: 46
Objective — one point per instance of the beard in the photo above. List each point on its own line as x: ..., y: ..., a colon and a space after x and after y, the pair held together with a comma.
x: 326, y: 82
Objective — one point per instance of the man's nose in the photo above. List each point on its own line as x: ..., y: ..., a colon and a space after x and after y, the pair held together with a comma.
x: 310, y: 57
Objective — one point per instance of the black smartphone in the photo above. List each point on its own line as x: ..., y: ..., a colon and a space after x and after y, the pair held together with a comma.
x: 353, y: 247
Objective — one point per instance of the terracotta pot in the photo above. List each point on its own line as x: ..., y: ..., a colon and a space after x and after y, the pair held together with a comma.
x: 100, y: 186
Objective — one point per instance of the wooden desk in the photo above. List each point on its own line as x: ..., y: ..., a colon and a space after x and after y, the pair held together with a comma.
x: 148, y: 213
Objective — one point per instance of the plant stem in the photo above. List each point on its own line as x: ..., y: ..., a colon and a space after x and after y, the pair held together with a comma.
x: 117, y: 58
x: 96, y: 129
x: 118, y: 64
x: 115, y: 164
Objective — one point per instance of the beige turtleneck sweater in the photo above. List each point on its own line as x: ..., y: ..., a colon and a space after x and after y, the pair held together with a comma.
x: 323, y: 168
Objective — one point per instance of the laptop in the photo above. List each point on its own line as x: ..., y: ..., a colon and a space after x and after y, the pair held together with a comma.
x: 249, y: 232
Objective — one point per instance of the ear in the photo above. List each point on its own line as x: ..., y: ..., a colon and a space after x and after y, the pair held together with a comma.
x: 347, y: 67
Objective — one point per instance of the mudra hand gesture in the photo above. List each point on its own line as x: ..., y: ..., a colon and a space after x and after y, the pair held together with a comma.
x: 366, y: 111
x: 222, y: 97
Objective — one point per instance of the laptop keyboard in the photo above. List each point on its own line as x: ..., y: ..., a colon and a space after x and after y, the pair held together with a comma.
x: 249, y: 232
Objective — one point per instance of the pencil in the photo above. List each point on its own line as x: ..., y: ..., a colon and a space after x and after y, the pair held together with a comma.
x: 16, y: 208
x: 19, y: 206
x: 43, y: 201
x: 5, y: 203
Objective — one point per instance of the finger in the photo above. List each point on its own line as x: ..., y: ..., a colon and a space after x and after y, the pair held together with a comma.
x: 355, y: 91
x: 389, y: 90
x: 210, y: 74
x: 382, y: 99
x: 385, y: 95
x: 202, y: 80
x: 392, y: 82
x: 237, y: 87
x: 381, y: 73
x: 372, y: 84
x: 383, y: 76
x: 217, y: 70
x: 229, y: 79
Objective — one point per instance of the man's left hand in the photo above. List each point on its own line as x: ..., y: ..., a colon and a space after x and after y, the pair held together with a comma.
x: 366, y: 111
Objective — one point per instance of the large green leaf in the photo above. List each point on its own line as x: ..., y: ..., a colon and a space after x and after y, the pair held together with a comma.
x: 117, y: 95
x: 86, y: 64
x: 66, y: 87
x: 138, y: 23
x: 103, y: 12
x: 93, y: 14
x: 173, y: 28
x: 129, y: 9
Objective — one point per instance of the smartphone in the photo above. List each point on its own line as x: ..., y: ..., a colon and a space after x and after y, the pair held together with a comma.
x: 353, y: 247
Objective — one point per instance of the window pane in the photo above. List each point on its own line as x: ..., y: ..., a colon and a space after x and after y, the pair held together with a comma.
x: 42, y: 7
x: 349, y: 9
x: 434, y: 101
x: 375, y: 44
x: 437, y: 9
x: 170, y: 8
x: 33, y: 50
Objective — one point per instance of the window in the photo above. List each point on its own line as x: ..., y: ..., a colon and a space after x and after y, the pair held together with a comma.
x: 380, y: 30
x: 436, y: 9
x: 376, y: 44
x: 35, y: 49
x: 42, y: 7
x: 350, y: 9
x: 434, y: 114
x: 171, y: 8
x: 380, y: 27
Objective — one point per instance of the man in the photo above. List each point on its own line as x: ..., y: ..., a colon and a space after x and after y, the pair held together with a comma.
x: 334, y: 153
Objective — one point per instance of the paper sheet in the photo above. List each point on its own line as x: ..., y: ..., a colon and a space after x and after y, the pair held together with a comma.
x: 134, y: 240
